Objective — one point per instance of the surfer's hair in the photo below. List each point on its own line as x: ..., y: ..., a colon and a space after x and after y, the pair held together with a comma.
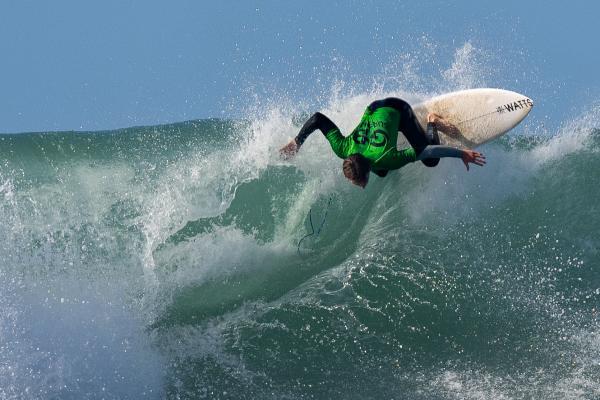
x: 356, y: 168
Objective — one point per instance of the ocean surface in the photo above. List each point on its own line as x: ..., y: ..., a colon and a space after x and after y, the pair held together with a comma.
x: 164, y: 262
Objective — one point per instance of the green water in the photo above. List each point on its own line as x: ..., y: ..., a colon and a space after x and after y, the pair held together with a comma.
x: 163, y: 262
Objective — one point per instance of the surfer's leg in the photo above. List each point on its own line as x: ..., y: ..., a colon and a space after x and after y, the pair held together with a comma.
x: 410, y: 127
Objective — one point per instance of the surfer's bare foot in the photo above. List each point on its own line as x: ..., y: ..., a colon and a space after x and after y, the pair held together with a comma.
x: 432, y: 117
x: 443, y: 125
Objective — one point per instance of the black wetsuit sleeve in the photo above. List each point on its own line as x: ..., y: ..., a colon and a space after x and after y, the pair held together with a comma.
x: 439, y: 152
x: 317, y: 121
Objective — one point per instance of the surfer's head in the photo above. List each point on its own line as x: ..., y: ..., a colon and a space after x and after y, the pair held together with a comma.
x: 356, y: 168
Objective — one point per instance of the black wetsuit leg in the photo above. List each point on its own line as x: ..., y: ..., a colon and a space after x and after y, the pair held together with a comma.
x: 409, y: 126
x: 316, y: 121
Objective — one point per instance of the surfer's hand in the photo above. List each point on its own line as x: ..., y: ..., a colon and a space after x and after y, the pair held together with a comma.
x: 289, y: 150
x: 474, y: 157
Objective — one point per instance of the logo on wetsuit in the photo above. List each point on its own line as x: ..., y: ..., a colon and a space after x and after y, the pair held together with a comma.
x: 376, y: 138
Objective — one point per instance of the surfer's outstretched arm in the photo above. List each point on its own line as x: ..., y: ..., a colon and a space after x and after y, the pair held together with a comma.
x: 467, y: 156
x: 316, y: 121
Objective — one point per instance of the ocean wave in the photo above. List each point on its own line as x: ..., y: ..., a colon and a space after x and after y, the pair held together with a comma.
x: 177, y: 249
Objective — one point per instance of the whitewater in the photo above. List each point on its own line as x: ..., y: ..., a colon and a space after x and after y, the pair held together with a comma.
x: 164, y: 261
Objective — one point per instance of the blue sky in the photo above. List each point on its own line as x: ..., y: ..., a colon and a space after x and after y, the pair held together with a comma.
x: 86, y: 65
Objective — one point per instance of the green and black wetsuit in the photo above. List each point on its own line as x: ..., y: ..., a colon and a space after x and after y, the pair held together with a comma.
x: 376, y: 136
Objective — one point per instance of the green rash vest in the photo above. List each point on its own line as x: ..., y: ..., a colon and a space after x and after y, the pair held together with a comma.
x: 375, y: 138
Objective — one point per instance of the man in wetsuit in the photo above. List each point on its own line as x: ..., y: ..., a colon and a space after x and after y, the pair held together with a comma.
x: 372, y: 145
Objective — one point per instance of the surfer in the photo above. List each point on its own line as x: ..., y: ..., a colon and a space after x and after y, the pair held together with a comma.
x: 371, y: 147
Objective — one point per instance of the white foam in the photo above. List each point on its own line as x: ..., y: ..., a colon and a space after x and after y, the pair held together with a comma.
x: 473, y: 384
x: 59, y: 340
x: 467, y: 70
x: 571, y: 138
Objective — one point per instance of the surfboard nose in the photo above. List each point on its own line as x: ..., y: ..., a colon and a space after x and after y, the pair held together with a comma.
x: 481, y: 114
x: 517, y: 103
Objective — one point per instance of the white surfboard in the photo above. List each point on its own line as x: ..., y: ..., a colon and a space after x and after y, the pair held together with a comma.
x: 481, y: 115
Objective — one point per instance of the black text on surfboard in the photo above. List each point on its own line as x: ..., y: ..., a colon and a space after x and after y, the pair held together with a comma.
x: 516, y: 105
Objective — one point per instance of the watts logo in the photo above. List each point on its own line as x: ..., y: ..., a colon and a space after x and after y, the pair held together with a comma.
x: 517, y: 105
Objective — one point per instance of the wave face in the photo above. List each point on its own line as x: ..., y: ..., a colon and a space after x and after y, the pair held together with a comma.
x: 163, y: 261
